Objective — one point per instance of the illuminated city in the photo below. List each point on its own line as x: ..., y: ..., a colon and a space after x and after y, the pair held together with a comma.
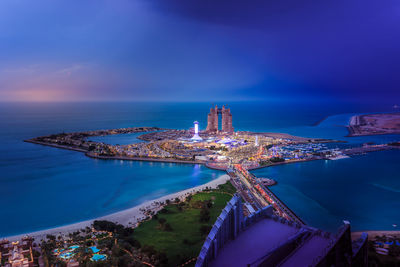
x: 236, y: 153
x: 142, y: 133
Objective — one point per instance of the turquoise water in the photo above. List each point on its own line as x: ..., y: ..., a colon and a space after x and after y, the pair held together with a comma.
x: 66, y: 255
x: 98, y: 257
x: 94, y: 249
x: 42, y: 187
x: 118, y: 139
x: 364, y: 190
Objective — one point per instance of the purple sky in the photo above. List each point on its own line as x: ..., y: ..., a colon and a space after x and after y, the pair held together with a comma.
x: 202, y: 50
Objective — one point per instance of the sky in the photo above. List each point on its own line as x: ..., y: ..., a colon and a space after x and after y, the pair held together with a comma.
x: 199, y: 50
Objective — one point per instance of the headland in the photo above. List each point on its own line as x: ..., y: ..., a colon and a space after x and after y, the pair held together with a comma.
x: 374, y: 124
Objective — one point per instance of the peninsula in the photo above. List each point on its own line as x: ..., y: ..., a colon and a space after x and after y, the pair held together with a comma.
x: 220, y: 148
x: 374, y: 124
x: 215, y: 150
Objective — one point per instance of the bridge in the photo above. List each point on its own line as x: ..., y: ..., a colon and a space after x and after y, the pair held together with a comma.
x: 257, y: 195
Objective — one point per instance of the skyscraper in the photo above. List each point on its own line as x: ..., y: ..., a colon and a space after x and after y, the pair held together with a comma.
x: 226, y: 120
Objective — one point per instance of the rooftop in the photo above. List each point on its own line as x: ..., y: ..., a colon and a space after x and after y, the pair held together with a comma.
x: 254, y: 243
x: 307, y: 252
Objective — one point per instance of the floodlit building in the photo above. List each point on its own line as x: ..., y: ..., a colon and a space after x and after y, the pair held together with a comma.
x: 196, y: 136
x: 212, y: 120
x: 226, y: 120
x: 17, y: 254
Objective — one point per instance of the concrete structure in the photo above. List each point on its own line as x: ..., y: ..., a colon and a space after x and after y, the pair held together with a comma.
x: 196, y: 136
x: 264, y: 239
x: 227, y: 227
x: 226, y: 120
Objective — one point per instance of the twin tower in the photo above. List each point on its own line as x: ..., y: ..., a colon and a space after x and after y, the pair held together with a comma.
x: 212, y: 120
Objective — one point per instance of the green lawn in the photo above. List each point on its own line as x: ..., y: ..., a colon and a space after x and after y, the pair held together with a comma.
x: 185, y: 226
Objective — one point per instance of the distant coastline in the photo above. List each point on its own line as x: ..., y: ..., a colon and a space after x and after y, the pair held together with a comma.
x: 374, y: 124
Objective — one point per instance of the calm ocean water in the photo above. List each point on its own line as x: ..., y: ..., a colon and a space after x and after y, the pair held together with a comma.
x: 42, y: 187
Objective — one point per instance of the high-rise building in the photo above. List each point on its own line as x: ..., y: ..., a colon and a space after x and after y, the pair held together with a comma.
x: 212, y: 120
x: 226, y: 120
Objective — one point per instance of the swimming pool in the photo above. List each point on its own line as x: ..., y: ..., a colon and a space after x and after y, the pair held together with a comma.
x: 58, y: 250
x: 66, y: 255
x: 73, y: 247
x: 98, y: 257
x: 94, y: 249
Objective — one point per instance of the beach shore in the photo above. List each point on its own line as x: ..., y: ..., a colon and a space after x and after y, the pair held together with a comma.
x: 126, y: 217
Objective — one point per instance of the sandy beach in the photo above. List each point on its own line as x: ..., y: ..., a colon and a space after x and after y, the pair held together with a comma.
x: 126, y: 217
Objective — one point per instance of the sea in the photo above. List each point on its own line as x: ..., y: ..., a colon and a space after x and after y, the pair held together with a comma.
x: 43, y: 187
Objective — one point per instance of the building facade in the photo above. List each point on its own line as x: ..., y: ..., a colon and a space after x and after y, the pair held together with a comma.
x: 226, y: 120
x: 264, y: 239
x: 226, y: 228
x: 17, y: 254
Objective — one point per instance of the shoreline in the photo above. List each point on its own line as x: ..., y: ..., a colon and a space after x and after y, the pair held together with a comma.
x: 282, y: 163
x: 373, y: 233
x: 357, y: 122
x: 125, y: 217
x: 89, y: 155
x: 166, y: 160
